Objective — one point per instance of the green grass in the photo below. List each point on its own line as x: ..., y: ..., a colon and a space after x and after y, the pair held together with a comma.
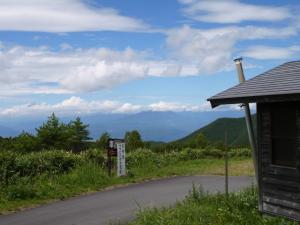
x: 237, y: 167
x: 200, y: 208
x: 91, y: 177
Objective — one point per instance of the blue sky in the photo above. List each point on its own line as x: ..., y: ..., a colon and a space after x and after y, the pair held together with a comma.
x: 112, y: 56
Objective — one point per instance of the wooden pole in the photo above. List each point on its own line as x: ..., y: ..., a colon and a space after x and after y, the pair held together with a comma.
x: 226, y: 164
x: 109, y: 162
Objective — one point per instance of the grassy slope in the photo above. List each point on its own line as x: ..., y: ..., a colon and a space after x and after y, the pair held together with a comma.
x: 214, y: 132
x: 199, y: 208
x: 92, y: 178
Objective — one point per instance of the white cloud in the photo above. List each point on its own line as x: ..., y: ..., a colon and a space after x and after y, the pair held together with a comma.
x: 70, y: 70
x: 271, y: 52
x: 79, y: 106
x: 174, y: 106
x: 71, y: 106
x: 62, y: 16
x: 212, y: 50
x: 232, y: 11
x: 77, y: 70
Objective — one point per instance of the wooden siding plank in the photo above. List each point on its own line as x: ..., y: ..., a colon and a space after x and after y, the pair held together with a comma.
x: 282, y: 203
x: 276, y: 210
x: 280, y: 186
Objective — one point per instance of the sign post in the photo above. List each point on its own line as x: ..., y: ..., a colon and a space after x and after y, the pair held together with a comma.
x: 121, y: 159
x: 226, y: 164
x: 116, y: 148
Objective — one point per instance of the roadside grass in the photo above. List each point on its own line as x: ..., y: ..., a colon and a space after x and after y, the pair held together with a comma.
x: 90, y: 177
x: 200, y: 208
x: 237, y: 167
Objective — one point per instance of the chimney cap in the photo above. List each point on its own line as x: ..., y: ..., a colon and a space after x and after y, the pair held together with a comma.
x: 237, y: 60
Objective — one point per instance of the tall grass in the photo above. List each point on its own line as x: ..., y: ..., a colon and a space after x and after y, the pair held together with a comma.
x: 200, y: 208
x: 84, y: 178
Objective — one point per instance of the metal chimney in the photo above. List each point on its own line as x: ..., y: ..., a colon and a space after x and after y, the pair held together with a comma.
x: 240, y: 73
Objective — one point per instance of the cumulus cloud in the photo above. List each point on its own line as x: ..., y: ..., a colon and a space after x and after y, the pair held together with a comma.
x: 174, y: 106
x: 272, y: 52
x: 232, y: 11
x: 73, y: 105
x: 70, y: 70
x: 79, y: 106
x: 78, y: 70
x: 212, y: 50
x: 63, y: 16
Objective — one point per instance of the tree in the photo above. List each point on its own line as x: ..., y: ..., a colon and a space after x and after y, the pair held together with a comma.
x: 200, y: 141
x: 78, y: 135
x: 133, y: 140
x: 103, y: 140
x: 52, y: 134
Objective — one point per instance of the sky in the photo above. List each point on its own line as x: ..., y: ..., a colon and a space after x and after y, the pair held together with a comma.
x: 111, y: 56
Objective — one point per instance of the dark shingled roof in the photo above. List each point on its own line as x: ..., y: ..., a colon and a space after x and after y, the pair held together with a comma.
x: 281, y: 83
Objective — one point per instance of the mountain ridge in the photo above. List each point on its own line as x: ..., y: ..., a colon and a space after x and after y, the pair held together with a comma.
x: 153, y: 126
x: 236, y: 129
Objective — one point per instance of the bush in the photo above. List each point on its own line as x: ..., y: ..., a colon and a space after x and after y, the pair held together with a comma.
x: 95, y: 156
x: 240, y: 152
x: 7, y: 166
x: 142, y: 157
x: 15, y: 166
x: 213, y: 153
x: 190, y: 154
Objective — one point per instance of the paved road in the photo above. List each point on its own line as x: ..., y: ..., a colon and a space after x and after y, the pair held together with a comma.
x: 119, y: 204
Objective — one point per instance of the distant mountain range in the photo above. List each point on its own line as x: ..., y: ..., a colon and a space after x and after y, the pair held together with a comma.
x: 153, y: 126
x: 215, y: 132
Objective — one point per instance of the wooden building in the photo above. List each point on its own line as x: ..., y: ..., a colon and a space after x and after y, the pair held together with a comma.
x: 277, y: 96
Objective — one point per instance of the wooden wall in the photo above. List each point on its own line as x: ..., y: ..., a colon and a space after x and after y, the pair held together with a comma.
x: 280, y: 186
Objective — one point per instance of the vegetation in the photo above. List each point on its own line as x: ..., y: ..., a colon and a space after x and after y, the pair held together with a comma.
x: 37, y: 177
x: 214, y: 132
x: 14, y: 166
x: 60, y: 161
x: 133, y: 140
x: 103, y: 140
x: 200, y: 208
x: 53, y: 134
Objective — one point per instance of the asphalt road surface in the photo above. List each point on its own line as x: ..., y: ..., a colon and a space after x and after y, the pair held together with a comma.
x: 119, y: 204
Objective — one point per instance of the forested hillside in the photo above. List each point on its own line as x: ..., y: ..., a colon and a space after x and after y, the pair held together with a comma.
x: 214, y: 132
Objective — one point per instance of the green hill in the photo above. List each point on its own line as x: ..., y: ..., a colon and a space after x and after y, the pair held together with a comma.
x: 236, y: 131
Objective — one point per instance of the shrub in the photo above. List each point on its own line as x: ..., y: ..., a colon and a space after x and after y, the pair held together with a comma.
x: 7, y: 166
x: 190, y: 154
x: 95, y: 156
x: 240, y: 152
x: 142, y: 157
x: 15, y: 166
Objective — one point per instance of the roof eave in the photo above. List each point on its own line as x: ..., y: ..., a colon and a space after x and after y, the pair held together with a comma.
x: 226, y: 101
x: 252, y: 99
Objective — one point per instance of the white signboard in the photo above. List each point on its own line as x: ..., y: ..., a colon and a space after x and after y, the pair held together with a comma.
x: 121, y: 159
